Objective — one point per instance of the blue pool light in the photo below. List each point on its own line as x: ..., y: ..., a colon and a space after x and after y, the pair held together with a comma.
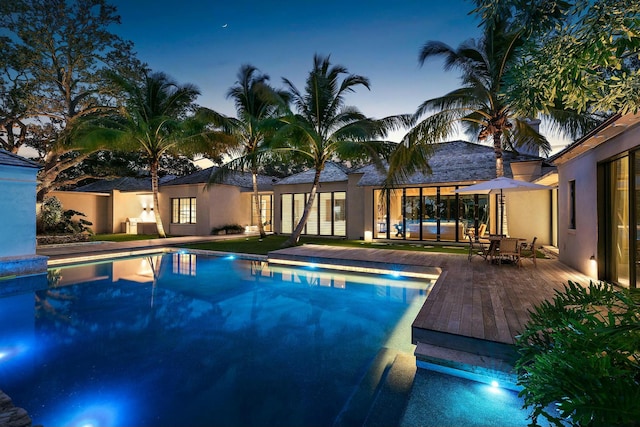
x: 8, y: 353
x: 395, y: 274
x: 231, y: 257
x: 93, y: 412
x: 495, y: 384
x: 94, y: 416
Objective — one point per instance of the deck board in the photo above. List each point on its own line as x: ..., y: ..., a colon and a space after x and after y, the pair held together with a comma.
x: 472, y: 299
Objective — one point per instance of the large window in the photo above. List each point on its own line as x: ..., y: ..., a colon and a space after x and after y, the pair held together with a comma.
x: 183, y: 210
x: 620, y: 222
x: 572, y: 205
x: 427, y: 213
x: 326, y: 218
x: 266, y: 211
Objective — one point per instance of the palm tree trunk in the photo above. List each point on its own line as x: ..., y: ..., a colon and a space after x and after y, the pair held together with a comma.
x: 257, y: 207
x: 497, y: 149
x: 295, y: 237
x: 156, y: 204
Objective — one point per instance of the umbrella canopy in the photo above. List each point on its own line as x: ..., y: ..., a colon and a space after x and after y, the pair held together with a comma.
x: 499, y: 186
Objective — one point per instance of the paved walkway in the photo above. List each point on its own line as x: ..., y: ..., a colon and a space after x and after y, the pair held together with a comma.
x: 76, y: 251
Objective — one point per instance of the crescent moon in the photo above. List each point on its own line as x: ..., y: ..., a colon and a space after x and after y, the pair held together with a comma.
x: 224, y: 26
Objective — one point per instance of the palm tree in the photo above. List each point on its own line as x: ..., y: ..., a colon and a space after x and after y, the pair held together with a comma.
x: 480, y: 105
x: 154, y: 120
x: 258, y: 107
x: 324, y: 128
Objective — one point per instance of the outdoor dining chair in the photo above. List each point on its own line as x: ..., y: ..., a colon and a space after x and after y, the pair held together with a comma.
x: 477, y: 248
x: 509, y: 250
x: 528, y: 250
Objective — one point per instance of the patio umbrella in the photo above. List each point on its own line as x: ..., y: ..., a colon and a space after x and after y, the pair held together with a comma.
x: 499, y: 186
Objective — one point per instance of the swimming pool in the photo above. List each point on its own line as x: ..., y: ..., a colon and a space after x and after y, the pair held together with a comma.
x: 186, y: 340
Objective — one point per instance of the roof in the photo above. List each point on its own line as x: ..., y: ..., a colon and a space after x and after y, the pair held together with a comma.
x: 332, y: 172
x: 612, y: 127
x: 235, y: 178
x: 9, y: 159
x: 455, y: 161
x: 126, y: 183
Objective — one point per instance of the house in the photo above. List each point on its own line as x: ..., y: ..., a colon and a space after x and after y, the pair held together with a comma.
x: 599, y: 202
x: 18, y: 226
x: 424, y: 207
x: 187, y: 205
x: 111, y: 204
x: 190, y: 207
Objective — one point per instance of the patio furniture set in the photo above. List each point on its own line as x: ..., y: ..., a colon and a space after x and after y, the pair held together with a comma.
x: 500, y: 249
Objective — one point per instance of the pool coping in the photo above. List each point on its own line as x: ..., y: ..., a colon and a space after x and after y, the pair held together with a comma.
x: 107, y: 256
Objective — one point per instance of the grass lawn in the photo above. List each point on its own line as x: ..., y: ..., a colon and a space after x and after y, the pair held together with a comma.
x: 121, y: 237
x: 255, y: 245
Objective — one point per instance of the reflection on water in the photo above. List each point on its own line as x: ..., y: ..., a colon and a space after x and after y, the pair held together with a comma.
x: 183, y: 340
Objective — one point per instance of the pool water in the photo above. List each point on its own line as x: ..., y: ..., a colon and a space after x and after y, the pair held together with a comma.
x: 186, y: 340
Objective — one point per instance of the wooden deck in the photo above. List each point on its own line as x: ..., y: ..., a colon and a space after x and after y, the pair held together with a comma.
x: 474, y: 306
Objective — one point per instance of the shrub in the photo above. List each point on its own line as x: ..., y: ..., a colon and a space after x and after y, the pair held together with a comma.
x: 53, y: 219
x: 580, y: 353
x: 228, y: 229
x: 50, y: 214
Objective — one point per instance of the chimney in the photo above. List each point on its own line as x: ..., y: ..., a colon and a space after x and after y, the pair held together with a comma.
x: 531, y: 149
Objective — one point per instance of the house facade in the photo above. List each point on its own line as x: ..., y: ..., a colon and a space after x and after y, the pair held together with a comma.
x: 599, y: 202
x: 18, y: 226
x: 425, y: 207
x: 188, y: 206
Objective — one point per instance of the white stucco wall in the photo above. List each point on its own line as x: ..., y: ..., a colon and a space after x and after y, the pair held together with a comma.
x: 229, y: 206
x: 94, y: 205
x: 18, y: 207
x: 529, y: 215
x: 577, y: 246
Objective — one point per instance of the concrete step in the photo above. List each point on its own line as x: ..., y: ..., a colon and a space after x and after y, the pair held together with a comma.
x: 357, y: 406
x: 459, y: 363
x: 393, y: 396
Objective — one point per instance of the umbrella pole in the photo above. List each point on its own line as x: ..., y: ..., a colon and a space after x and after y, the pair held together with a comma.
x: 501, y: 212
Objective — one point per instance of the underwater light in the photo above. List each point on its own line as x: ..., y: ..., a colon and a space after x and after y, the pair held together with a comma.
x: 183, y: 252
x: 8, y: 353
x: 395, y: 274
x: 231, y: 257
x: 92, y: 413
x: 495, y: 384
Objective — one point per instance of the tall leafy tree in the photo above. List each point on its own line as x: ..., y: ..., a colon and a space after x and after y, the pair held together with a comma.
x: 56, y: 54
x: 580, y: 54
x: 157, y: 118
x: 481, y: 105
x: 258, y: 107
x: 324, y: 128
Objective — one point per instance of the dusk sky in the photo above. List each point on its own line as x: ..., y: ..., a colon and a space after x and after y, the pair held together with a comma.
x: 204, y: 42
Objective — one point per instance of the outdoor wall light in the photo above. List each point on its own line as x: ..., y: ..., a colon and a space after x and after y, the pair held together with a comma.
x: 592, y: 258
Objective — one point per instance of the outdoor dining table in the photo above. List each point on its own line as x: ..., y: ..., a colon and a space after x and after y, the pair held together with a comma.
x: 494, y: 245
